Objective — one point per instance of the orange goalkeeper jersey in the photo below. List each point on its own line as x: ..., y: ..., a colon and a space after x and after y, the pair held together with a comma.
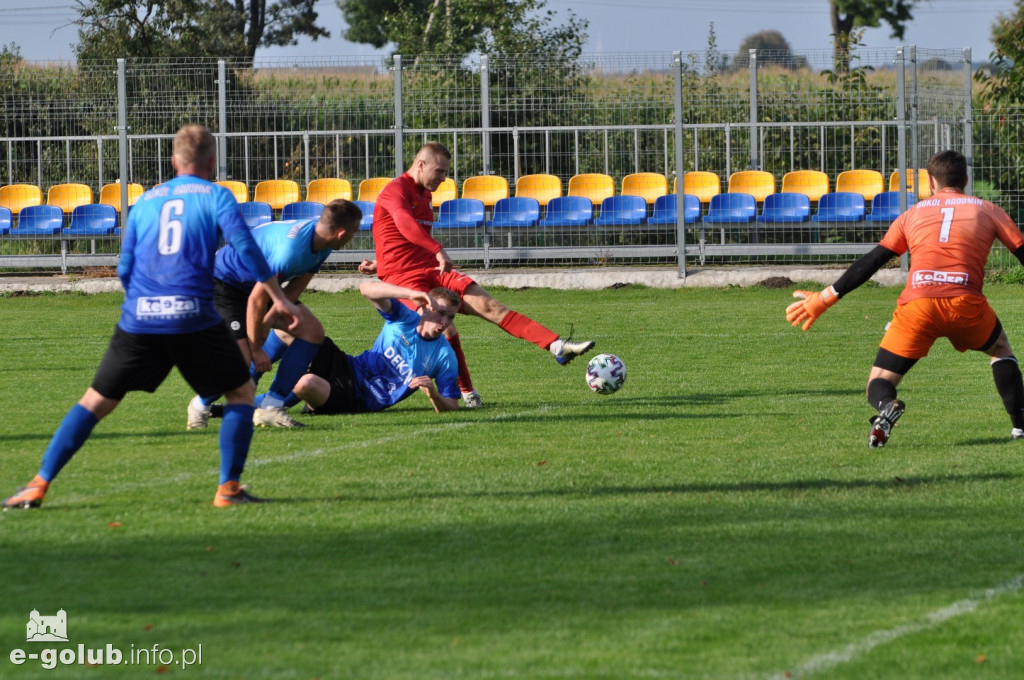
x: 949, y: 237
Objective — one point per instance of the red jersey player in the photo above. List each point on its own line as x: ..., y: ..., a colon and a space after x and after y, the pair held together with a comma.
x: 949, y: 237
x: 409, y: 256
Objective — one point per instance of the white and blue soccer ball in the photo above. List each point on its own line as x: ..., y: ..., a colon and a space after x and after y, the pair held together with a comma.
x: 606, y: 374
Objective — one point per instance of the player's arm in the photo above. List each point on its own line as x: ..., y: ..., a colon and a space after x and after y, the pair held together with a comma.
x: 126, y: 260
x: 253, y: 259
x: 368, y: 267
x: 397, y: 204
x: 425, y: 384
x: 297, y: 286
x: 380, y: 294
x: 811, y: 305
x: 257, y: 325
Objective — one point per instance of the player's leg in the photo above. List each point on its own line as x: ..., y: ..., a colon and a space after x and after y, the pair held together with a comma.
x: 211, y: 362
x: 231, y: 304
x: 1009, y: 382
x: 470, y: 396
x: 272, y: 411
x: 131, y: 362
x: 477, y: 301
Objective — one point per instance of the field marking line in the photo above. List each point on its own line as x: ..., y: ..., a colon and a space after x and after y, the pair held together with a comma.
x: 852, y: 651
x: 313, y: 453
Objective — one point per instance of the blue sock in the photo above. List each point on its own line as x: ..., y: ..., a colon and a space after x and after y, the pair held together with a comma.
x: 235, y: 438
x: 259, y: 399
x: 207, y: 401
x: 274, y: 348
x: 69, y: 437
x: 293, y: 366
x: 291, y: 400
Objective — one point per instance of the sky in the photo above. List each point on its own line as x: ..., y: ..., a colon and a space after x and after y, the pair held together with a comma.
x: 45, y: 32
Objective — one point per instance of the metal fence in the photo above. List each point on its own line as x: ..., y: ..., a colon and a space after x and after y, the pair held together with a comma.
x: 668, y: 114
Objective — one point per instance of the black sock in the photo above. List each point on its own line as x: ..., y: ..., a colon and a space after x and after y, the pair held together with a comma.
x: 1007, y: 375
x: 880, y: 393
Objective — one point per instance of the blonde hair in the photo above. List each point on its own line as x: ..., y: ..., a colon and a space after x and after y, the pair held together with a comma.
x: 194, y: 145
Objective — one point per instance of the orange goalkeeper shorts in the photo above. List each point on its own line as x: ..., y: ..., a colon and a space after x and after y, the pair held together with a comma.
x: 968, y: 321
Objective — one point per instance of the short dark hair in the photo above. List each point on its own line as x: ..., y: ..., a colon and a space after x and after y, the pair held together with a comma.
x: 437, y: 149
x: 949, y: 168
x: 342, y: 214
x: 447, y: 295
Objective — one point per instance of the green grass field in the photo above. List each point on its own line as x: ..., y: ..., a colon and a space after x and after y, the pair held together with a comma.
x: 720, y: 517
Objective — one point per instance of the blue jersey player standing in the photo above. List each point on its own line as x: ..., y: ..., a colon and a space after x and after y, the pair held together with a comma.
x: 168, y: 317
x: 295, y: 250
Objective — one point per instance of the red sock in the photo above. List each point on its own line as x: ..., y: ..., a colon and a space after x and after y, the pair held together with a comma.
x: 526, y: 328
x: 465, y: 382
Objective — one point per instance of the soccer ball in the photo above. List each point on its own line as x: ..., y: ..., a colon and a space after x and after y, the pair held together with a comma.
x: 606, y: 373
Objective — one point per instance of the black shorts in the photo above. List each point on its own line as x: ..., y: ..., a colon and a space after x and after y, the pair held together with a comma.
x: 331, y: 364
x: 231, y: 304
x: 209, y: 360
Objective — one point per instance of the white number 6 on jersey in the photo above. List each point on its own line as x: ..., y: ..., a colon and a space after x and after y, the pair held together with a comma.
x: 171, y: 227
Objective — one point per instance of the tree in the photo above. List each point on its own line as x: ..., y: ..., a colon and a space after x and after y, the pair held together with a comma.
x: 462, y: 27
x: 189, y: 28
x: 849, y: 14
x: 772, y: 48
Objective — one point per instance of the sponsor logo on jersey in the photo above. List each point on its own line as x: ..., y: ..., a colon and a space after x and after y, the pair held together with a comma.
x: 166, y: 307
x: 930, y: 277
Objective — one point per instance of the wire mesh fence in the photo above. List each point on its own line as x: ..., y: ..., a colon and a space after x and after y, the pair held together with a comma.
x: 599, y: 129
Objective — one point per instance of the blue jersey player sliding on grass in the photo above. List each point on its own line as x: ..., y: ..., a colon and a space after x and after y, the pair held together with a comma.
x: 295, y: 250
x: 410, y: 354
x: 168, y: 316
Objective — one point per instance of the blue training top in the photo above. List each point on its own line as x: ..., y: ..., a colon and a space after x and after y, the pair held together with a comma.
x: 399, y: 354
x: 167, y: 255
x: 288, y: 247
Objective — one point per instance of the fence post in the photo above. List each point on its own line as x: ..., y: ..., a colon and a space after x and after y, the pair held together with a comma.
x: 915, y: 135
x: 968, y: 120
x: 485, y: 112
x: 122, y: 137
x: 901, y: 136
x: 222, y: 106
x: 399, y: 161
x: 677, y: 102
x: 755, y: 162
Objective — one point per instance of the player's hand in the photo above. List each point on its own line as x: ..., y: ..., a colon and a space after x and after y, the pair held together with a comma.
x: 444, y: 263
x: 261, y: 361
x: 421, y: 382
x: 283, y: 310
x: 368, y: 267
x: 422, y: 299
x: 810, y: 306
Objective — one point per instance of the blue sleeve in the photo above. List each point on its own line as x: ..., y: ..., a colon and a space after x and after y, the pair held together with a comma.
x: 127, y: 259
x: 243, y: 242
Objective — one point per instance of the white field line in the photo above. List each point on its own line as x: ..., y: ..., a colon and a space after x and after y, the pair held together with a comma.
x: 314, y: 453
x: 852, y: 651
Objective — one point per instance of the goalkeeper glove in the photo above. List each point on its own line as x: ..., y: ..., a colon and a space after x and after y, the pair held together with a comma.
x: 810, y: 306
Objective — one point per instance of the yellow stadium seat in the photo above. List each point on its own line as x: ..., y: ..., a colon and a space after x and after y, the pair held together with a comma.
x: 541, y: 187
x: 757, y: 183
x: 811, y: 183
x: 701, y: 184
x: 593, y: 185
x: 867, y: 183
x: 18, y: 196
x: 446, y: 191
x: 648, y: 185
x: 69, y: 196
x: 369, y: 188
x: 239, y: 189
x: 110, y: 194
x: 326, y: 189
x: 487, y: 188
x: 922, y: 181
x: 277, y: 192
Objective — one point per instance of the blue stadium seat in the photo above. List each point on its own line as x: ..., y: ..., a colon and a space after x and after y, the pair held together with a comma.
x: 367, y: 207
x: 461, y: 213
x: 885, y: 207
x: 302, y: 210
x: 785, y: 207
x: 93, y: 220
x: 256, y: 213
x: 730, y: 208
x: 840, y: 206
x: 516, y: 212
x: 568, y: 211
x: 665, y: 209
x: 39, y: 220
x: 6, y: 216
x: 622, y: 211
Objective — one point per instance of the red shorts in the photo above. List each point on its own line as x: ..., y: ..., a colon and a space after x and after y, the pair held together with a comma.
x: 428, y: 279
x: 968, y: 321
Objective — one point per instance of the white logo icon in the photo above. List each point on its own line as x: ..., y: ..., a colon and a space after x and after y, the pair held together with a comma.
x: 47, y: 628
